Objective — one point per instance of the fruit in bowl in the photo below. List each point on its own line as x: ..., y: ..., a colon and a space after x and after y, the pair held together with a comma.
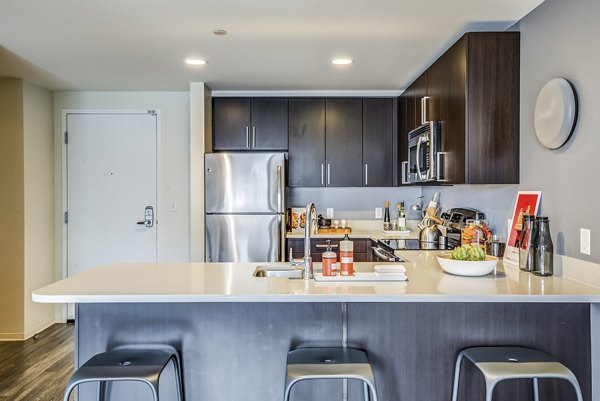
x: 468, y: 260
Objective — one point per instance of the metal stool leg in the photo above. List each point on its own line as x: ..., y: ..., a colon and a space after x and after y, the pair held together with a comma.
x: 373, y: 392
x: 489, y: 389
x: 536, y: 389
x: 366, y: 391
x: 456, y: 377
x: 573, y: 380
x: 288, y: 390
x: 101, y: 391
x: 178, y: 377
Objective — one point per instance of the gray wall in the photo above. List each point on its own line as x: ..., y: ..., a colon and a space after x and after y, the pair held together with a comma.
x: 353, y: 203
x: 496, y: 201
x: 560, y: 39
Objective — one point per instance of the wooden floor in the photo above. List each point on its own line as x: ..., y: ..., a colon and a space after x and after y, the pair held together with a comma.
x: 37, y: 369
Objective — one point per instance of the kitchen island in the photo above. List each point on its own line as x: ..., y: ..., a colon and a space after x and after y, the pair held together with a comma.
x: 234, y: 330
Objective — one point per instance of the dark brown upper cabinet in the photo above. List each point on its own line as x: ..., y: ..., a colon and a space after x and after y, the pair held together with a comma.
x: 473, y: 89
x: 343, y: 142
x: 306, y: 143
x: 250, y: 124
x: 379, y: 150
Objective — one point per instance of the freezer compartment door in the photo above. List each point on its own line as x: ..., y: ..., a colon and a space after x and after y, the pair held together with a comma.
x: 244, y: 238
x: 245, y: 182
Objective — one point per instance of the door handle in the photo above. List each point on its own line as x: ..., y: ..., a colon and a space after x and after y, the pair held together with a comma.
x: 253, y: 137
x: 148, y: 217
x: 404, y: 168
x: 328, y: 174
x: 366, y: 174
x: 322, y: 179
x: 247, y: 137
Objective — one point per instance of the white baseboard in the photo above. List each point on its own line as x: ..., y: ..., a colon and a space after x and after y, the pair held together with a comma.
x: 27, y: 334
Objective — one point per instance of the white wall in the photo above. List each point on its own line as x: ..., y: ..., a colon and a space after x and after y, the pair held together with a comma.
x: 200, y: 140
x: 175, y: 174
x: 38, y: 153
x: 560, y: 39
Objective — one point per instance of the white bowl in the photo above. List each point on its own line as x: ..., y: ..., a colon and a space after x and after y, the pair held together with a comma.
x: 467, y: 267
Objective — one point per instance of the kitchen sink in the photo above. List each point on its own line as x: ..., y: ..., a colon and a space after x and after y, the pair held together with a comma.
x: 277, y: 270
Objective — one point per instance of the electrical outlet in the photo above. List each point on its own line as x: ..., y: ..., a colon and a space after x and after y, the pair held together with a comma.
x: 378, y: 212
x: 585, y: 241
x: 329, y: 213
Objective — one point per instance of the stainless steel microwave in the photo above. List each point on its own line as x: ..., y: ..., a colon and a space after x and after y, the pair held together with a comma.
x: 424, y: 153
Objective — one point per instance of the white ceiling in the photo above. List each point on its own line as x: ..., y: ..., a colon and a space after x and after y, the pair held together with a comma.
x: 271, y: 44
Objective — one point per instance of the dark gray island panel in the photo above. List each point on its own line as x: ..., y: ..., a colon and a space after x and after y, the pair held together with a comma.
x: 237, y: 350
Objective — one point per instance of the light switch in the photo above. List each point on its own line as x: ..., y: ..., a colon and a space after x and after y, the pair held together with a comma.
x: 378, y: 212
x: 585, y: 235
x: 173, y: 206
x: 329, y: 213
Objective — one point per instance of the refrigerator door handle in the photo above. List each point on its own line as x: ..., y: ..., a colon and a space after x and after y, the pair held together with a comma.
x: 281, y: 247
x: 279, y: 190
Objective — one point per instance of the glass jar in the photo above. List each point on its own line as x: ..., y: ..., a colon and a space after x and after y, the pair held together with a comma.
x: 476, y: 231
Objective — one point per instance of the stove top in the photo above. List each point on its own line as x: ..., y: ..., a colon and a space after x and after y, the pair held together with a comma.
x: 405, y: 244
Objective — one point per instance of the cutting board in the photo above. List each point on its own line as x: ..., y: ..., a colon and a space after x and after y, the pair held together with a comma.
x: 346, y: 230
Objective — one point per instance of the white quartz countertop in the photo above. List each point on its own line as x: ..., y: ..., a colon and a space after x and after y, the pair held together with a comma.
x: 233, y: 282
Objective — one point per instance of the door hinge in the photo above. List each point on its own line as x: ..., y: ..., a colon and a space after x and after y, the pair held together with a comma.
x: 66, y: 137
x: 66, y: 217
x: 152, y: 112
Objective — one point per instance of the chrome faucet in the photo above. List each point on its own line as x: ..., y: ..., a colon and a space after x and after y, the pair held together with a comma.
x: 310, y: 226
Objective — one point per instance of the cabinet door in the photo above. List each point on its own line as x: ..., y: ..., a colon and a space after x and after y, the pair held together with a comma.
x: 306, y: 142
x: 411, y: 108
x: 269, y: 124
x: 231, y: 124
x: 402, y: 139
x: 377, y: 142
x: 343, y: 142
x: 452, y: 109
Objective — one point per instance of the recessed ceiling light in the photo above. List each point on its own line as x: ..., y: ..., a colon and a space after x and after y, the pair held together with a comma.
x: 195, y: 61
x: 342, y: 61
x: 220, y: 32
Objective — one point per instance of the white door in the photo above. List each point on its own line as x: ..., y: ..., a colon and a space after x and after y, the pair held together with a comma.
x: 111, y: 189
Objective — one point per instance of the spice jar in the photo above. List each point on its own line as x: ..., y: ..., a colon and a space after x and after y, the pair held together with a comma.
x: 476, y: 231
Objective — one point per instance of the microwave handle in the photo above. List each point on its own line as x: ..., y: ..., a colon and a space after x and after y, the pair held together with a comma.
x: 404, y: 172
x: 419, y: 175
x: 439, y: 166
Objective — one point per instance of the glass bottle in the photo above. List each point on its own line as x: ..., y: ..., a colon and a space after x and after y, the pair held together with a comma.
x: 386, y: 216
x: 401, y: 217
x: 476, y: 231
x: 346, y: 257
x: 544, y: 250
x: 526, y: 244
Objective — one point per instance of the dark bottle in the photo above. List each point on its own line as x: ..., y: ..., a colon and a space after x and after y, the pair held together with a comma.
x: 386, y: 216
x: 544, y: 250
x: 526, y: 243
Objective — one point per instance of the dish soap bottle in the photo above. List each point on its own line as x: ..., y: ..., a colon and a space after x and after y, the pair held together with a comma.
x: 346, y: 257
x: 329, y: 260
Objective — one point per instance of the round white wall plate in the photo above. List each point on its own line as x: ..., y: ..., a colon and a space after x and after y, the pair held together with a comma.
x: 555, y: 113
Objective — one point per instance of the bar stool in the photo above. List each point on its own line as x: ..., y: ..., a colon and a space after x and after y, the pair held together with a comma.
x: 329, y: 363
x: 128, y: 363
x: 503, y: 363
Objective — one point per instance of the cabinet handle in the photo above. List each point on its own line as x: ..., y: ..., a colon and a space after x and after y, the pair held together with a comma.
x: 247, y: 137
x: 366, y: 174
x: 424, y: 116
x: 322, y: 176
x: 253, y: 137
x: 404, y: 168
x: 328, y: 173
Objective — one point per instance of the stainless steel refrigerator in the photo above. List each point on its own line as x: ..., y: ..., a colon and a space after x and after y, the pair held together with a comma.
x: 245, y: 207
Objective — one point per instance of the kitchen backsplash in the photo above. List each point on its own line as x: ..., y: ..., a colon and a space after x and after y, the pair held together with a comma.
x: 496, y: 201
